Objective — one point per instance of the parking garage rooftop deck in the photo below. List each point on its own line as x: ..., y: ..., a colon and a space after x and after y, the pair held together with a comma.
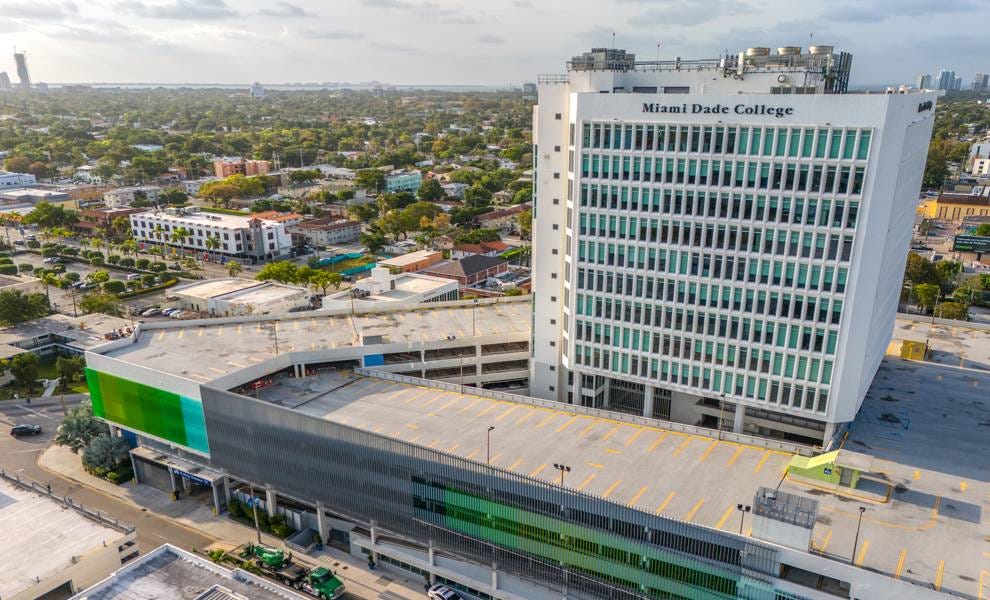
x: 206, y: 350
x: 932, y: 530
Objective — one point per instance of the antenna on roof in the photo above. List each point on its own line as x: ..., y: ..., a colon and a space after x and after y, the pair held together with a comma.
x: 659, y: 46
x: 613, y: 40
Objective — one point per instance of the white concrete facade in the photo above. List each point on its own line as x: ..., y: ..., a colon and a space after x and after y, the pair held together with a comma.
x: 720, y: 247
x: 16, y: 180
x: 238, y: 236
x: 400, y: 290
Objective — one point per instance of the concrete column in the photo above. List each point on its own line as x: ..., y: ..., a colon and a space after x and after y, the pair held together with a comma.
x: 829, y: 432
x: 226, y: 489
x: 740, y: 417
x: 431, y: 556
x: 134, y: 470
x: 607, y: 394
x: 114, y: 430
x: 216, y: 499
x: 374, y: 540
x: 321, y: 523
x: 270, y: 501
x: 648, y: 401
x: 494, y: 576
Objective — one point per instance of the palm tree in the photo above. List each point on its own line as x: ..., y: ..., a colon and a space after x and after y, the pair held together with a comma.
x: 97, y: 244
x: 160, y: 234
x: 234, y: 267
x: 212, y: 242
x: 179, y: 235
x: 129, y: 246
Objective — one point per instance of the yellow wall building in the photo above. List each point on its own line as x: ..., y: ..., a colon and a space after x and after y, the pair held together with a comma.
x: 954, y: 207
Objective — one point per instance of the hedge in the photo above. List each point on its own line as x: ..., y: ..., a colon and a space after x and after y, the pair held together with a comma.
x: 8, y: 269
x: 132, y: 294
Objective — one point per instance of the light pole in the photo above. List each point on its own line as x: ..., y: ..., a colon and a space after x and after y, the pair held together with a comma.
x: 743, y: 509
x: 563, y: 469
x: 488, y: 445
x: 254, y: 505
x: 859, y: 523
x: 910, y: 286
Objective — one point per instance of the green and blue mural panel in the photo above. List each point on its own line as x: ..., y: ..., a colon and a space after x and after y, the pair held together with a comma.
x: 143, y: 408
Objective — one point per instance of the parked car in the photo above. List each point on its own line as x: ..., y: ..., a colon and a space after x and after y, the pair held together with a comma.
x: 134, y: 276
x: 442, y: 592
x: 19, y: 243
x: 151, y: 311
x: 25, y: 429
x: 175, y: 266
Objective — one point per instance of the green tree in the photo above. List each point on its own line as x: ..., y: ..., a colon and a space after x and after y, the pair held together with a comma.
x: 45, y: 215
x: 365, y: 213
x: 324, y: 279
x: 79, y: 427
x: 281, y: 271
x: 952, y: 310
x: 98, y: 277
x: 17, y: 307
x: 430, y: 190
x: 525, y: 222
x: 24, y: 368
x: 926, y: 294
x: 233, y: 267
x: 105, y: 453
x: 70, y: 369
x: 100, y: 302
x: 370, y: 179
x: 305, y: 175
x: 921, y: 270
x: 983, y: 229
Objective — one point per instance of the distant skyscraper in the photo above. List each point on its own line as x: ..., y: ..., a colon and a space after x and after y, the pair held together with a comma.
x: 981, y: 82
x: 257, y: 90
x: 924, y: 81
x: 4, y: 81
x: 945, y: 80
x: 22, y: 69
x: 957, y: 84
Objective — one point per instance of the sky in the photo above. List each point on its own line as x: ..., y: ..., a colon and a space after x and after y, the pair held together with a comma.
x: 476, y: 42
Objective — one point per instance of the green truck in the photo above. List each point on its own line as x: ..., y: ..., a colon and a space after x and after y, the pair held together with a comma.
x: 275, y: 563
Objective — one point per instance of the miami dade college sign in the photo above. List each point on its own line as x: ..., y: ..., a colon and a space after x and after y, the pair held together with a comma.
x: 718, y: 109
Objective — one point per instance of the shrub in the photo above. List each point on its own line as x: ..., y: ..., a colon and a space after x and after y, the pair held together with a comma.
x: 25, y: 267
x: 96, y: 260
x: 49, y: 251
x: 126, y: 262
x: 72, y: 276
x: 235, y: 508
x: 148, y: 280
x: 157, y: 267
x: 263, y: 520
x: 8, y: 270
x: 6, y: 260
x: 142, y: 263
x: 113, y: 259
x: 33, y: 244
x: 70, y: 251
x: 114, y: 286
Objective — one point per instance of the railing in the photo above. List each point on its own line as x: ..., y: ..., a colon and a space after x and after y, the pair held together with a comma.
x: 551, y: 78
x: 742, y: 438
x: 45, y: 490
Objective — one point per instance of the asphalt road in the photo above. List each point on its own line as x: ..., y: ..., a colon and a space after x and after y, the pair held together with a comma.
x: 20, y: 455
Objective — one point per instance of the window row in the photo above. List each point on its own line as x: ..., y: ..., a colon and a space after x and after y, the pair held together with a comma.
x: 738, y: 268
x: 793, y: 142
x: 778, y: 332
x: 712, y: 380
x: 710, y: 352
x: 768, y: 241
x: 821, y: 212
x: 816, y: 179
x: 763, y: 303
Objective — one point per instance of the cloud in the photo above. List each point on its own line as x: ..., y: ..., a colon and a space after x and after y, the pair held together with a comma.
x: 684, y: 12
x: 390, y: 47
x: 285, y: 9
x: 874, y: 11
x: 48, y: 11
x: 491, y: 39
x: 330, y: 34
x: 388, y: 4
x: 184, y: 10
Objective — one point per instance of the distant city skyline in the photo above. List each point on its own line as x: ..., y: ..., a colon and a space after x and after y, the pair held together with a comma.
x: 445, y: 42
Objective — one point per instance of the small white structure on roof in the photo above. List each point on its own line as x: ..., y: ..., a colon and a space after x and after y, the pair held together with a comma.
x: 385, y: 289
x: 232, y: 296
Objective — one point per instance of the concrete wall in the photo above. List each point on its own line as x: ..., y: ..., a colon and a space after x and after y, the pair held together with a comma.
x: 91, y: 568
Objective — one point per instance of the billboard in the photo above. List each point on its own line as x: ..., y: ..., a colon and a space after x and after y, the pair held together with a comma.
x: 971, y: 243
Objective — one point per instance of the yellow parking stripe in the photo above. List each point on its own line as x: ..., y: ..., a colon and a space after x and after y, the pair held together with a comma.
x: 862, y: 553
x: 666, y: 501
x: 513, y: 466
x: 683, y: 445
x: 939, y: 573
x: 537, y: 470
x: 507, y: 412
x: 662, y: 437
x: 633, y: 437
x: 611, y: 488
x: 546, y: 420
x: 735, y: 456
x: 525, y: 417
x: 704, y: 455
x: 725, y: 516
x: 588, y: 428
x: 632, y: 501
x: 900, y: 564
x: 610, y: 433
x: 759, y: 465
x: 694, y: 510
x: 566, y: 425
x: 586, y: 481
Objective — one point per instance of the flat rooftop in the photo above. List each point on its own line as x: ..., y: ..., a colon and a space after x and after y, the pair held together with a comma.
x: 170, y: 573
x: 41, y: 536
x: 204, y: 353
x: 211, y: 288
x: 84, y: 332
x: 407, y: 259
x: 924, y: 425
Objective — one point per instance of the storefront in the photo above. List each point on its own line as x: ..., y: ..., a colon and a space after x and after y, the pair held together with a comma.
x: 179, y: 477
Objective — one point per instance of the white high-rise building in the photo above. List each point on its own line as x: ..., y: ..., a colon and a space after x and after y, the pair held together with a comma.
x: 720, y: 242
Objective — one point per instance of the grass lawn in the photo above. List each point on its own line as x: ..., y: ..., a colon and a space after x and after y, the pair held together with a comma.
x: 350, y: 263
x: 46, y: 370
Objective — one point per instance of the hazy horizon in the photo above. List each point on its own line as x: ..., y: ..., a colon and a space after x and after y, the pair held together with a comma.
x: 505, y: 42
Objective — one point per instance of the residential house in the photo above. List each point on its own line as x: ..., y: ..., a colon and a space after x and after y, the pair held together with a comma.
x: 469, y: 271
x: 482, y: 249
x: 324, y: 232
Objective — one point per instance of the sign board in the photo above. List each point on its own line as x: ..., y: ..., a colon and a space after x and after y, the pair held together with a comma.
x: 971, y: 243
x: 827, y: 471
x: 191, y: 477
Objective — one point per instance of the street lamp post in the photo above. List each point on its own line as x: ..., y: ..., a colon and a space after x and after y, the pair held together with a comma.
x: 488, y: 445
x: 859, y: 523
x: 743, y: 509
x: 910, y: 286
x: 254, y: 505
x: 563, y: 469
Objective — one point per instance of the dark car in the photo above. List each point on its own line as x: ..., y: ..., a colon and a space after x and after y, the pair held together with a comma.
x: 26, y: 429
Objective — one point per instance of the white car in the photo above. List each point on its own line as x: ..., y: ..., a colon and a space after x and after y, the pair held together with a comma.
x: 442, y: 592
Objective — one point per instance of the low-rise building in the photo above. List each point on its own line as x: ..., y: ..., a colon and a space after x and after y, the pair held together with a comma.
x: 400, y: 247
x: 32, y: 195
x: 454, y: 190
x: 400, y: 290
x: 981, y: 167
x: 225, y: 166
x: 954, y: 207
x: 323, y: 232
x: 170, y: 572
x: 54, y: 548
x: 194, y: 185
x: 414, y: 261
x: 469, y: 271
x: 91, y: 219
x: 88, y: 174
x: 124, y: 196
x: 287, y: 218
x: 237, y: 236
x: 233, y: 297
x: 403, y: 181
x: 10, y: 180
x: 504, y: 218
x: 482, y: 248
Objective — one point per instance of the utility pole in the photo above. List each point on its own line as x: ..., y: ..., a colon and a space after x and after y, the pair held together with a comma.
x: 743, y: 509
x: 488, y: 445
x: 563, y: 469
x: 254, y: 505
x: 721, y: 405
x: 859, y: 523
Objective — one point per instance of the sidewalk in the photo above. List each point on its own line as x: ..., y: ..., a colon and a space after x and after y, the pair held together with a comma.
x: 193, y: 513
